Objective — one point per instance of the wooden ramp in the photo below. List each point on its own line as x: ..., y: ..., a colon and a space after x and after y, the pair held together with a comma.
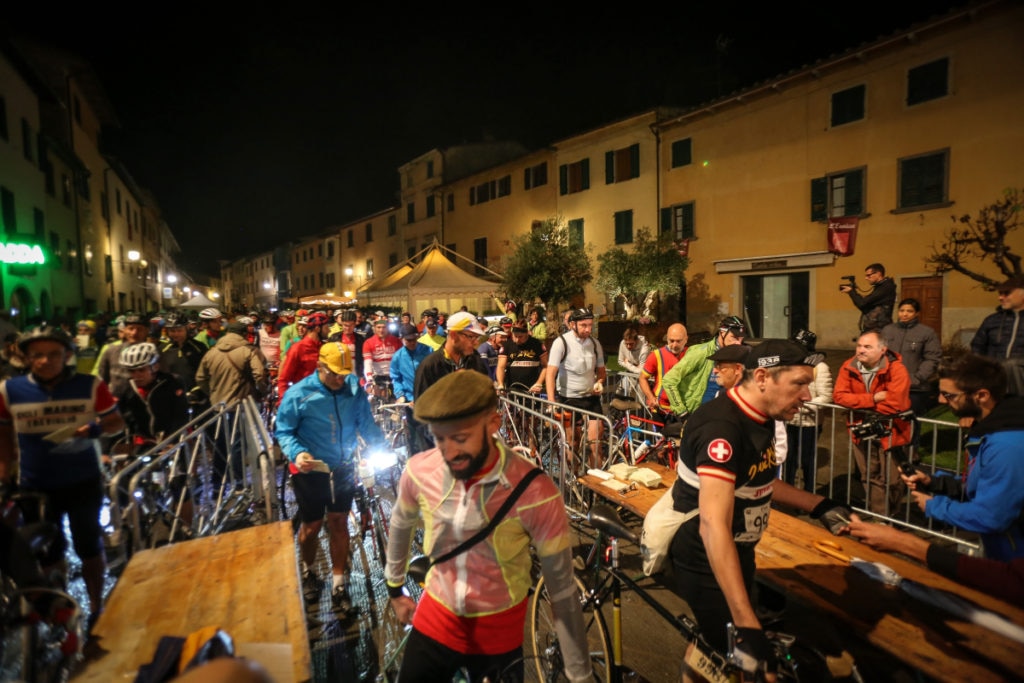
x: 245, y: 582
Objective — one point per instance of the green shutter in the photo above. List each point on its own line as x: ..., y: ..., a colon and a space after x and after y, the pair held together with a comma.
x: 666, y: 221
x: 585, y: 172
x: 563, y: 179
x: 854, y: 193
x: 609, y: 168
x: 819, y: 199
x: 634, y: 160
x: 687, y: 219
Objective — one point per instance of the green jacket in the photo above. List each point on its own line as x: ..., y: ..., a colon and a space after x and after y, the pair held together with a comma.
x: 686, y: 382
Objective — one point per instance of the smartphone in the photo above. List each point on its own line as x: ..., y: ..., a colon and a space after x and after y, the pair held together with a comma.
x: 907, y: 469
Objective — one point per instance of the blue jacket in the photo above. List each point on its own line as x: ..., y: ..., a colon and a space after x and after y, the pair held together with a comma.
x: 324, y: 423
x: 403, y: 369
x: 992, y: 500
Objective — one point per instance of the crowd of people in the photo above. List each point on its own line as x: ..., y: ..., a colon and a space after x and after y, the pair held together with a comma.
x: 746, y: 416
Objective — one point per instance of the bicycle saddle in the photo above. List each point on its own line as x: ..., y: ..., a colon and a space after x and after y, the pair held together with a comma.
x: 604, y: 518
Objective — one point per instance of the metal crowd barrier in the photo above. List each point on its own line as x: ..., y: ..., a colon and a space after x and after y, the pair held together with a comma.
x: 141, y: 495
x: 834, y: 464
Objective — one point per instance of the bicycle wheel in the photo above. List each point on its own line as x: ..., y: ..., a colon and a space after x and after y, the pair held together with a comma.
x: 544, y: 640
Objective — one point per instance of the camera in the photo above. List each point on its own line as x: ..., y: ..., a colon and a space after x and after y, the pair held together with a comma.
x: 851, y: 281
x: 871, y: 428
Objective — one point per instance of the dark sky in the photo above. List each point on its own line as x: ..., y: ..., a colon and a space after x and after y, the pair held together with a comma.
x: 260, y: 128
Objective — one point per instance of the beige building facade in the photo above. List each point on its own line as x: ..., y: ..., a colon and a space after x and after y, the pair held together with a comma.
x: 901, y: 134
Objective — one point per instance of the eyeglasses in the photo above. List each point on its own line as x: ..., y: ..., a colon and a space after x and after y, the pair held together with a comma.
x: 949, y: 396
x: 873, y: 272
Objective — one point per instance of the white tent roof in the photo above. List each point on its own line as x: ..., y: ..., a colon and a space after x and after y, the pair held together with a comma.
x: 198, y: 301
x: 434, y: 279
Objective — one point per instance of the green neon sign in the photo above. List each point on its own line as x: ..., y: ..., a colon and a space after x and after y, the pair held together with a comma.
x: 27, y: 254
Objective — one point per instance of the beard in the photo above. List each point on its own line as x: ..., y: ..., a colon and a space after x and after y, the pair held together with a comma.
x: 967, y: 408
x: 476, y: 461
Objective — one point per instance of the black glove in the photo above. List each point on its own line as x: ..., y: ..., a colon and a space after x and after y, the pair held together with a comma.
x: 832, y: 514
x: 752, y: 652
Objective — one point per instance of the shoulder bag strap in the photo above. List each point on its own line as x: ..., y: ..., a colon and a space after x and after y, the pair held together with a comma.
x: 498, y: 516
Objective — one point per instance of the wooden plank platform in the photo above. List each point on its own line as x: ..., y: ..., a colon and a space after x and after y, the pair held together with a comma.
x: 246, y: 582
x: 932, y: 641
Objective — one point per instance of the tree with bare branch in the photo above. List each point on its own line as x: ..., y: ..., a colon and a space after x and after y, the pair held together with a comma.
x: 974, y: 240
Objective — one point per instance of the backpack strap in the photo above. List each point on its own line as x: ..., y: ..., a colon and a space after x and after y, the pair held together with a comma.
x: 498, y: 516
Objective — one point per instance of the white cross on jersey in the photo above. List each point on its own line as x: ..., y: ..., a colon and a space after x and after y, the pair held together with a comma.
x: 720, y: 450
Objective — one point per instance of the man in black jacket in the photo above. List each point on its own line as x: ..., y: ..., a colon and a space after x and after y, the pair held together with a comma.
x: 1001, y: 335
x: 875, y: 306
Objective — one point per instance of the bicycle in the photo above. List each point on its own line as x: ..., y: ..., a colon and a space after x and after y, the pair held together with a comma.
x: 605, y: 582
x: 639, y: 439
x: 41, y: 624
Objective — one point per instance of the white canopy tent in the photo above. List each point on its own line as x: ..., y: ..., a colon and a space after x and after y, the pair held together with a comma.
x: 432, y: 279
x: 200, y: 300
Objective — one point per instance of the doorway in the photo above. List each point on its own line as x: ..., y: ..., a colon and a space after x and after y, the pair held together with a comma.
x: 928, y: 292
x: 776, y: 306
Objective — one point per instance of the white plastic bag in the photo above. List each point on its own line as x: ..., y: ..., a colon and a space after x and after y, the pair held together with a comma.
x: 660, y: 525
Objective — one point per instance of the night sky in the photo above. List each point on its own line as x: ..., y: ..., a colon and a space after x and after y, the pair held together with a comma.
x: 260, y: 128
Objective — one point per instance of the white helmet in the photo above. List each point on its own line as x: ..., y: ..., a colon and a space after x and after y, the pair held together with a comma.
x: 139, y: 355
x: 210, y: 314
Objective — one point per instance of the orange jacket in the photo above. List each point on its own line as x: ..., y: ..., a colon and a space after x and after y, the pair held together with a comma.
x: 892, y: 378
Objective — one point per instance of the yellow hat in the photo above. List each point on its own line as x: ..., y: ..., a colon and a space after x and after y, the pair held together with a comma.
x: 336, y: 357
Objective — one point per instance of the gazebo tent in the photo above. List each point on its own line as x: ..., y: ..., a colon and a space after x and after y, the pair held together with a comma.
x: 377, y: 292
x: 198, y: 301
x: 432, y: 281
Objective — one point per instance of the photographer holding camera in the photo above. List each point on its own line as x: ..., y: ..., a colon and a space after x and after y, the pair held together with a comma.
x: 875, y: 306
x: 876, y: 380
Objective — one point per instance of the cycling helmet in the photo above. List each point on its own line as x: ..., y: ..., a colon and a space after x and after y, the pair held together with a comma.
x: 806, y: 338
x: 348, y: 316
x: 735, y: 325
x: 316, y: 319
x: 44, y: 331
x: 210, y: 314
x: 134, y: 319
x: 505, y: 321
x: 493, y: 330
x: 175, y: 320
x: 580, y: 314
x: 245, y: 320
x: 139, y: 356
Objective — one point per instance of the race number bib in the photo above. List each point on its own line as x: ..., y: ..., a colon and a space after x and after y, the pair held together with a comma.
x: 706, y: 666
x: 755, y: 521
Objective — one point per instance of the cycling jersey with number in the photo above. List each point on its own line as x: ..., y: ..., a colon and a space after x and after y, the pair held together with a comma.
x: 730, y: 440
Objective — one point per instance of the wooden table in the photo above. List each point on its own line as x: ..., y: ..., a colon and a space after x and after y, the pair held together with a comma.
x: 638, y: 500
x: 245, y: 582
x: 929, y: 640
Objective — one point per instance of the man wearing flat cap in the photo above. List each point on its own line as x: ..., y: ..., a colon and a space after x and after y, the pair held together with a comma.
x: 318, y: 423
x: 727, y: 481
x: 473, y: 607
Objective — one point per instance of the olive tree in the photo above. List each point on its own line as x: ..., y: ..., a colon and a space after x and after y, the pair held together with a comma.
x: 652, y: 266
x: 544, y: 265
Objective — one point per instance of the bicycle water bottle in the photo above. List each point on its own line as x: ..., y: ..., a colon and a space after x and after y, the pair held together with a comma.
x: 366, y: 474
x: 641, y: 450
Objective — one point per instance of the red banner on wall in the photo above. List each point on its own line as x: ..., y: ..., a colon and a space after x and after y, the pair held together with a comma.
x: 842, y: 234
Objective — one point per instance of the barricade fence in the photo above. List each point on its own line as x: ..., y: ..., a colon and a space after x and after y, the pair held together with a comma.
x: 854, y: 466
x: 213, y: 474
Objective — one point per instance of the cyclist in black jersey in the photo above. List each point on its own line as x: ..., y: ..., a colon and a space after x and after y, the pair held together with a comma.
x: 727, y: 473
